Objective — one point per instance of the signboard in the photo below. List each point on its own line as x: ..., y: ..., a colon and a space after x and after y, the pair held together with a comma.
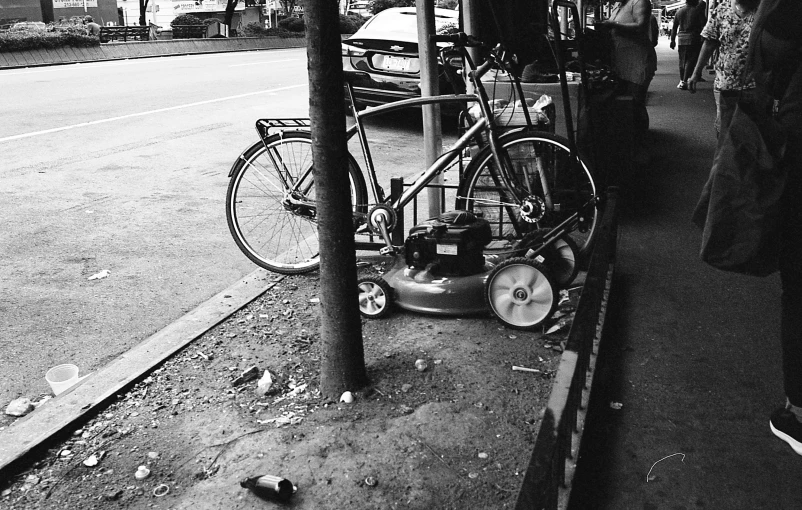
x: 73, y: 4
x: 181, y: 7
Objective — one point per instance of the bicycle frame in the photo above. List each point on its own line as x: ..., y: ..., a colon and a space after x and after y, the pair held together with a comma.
x: 484, y: 124
x: 439, y: 165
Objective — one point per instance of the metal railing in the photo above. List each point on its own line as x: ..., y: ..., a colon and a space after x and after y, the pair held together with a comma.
x: 546, y: 484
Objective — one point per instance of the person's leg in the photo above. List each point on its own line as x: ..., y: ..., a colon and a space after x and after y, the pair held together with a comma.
x: 791, y: 276
x: 725, y: 107
x: 717, y: 122
x: 786, y: 422
x: 691, y: 56
x: 682, y: 51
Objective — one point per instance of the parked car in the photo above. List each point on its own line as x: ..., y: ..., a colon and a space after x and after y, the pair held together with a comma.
x: 29, y: 25
x: 386, y: 47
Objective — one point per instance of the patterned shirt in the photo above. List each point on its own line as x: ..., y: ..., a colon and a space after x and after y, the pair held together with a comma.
x: 732, y: 33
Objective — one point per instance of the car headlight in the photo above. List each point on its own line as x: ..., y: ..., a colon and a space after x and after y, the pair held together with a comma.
x: 350, y: 51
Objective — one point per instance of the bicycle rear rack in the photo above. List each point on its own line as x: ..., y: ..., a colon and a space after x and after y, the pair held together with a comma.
x: 263, y: 126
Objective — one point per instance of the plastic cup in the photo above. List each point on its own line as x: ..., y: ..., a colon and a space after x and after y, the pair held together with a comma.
x: 62, y: 377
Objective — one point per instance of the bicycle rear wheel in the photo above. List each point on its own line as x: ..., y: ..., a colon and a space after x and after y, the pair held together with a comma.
x: 541, y: 166
x: 271, y: 203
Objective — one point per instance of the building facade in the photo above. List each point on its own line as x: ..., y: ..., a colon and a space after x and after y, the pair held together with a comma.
x: 12, y: 11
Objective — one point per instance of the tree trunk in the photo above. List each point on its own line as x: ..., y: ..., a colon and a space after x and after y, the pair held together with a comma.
x: 143, y: 7
x: 342, y: 356
x: 229, y: 17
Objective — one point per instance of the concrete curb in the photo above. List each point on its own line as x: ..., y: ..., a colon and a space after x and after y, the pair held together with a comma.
x: 58, y: 415
x: 142, y: 49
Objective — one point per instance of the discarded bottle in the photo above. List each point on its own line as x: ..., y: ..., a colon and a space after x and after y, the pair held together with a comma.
x: 269, y: 487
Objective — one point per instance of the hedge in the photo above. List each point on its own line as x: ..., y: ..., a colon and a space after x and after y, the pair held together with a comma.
x: 20, y: 40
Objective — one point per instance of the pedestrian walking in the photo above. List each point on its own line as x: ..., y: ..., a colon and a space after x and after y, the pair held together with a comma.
x: 727, y: 31
x: 775, y: 51
x: 634, y: 59
x: 687, y: 31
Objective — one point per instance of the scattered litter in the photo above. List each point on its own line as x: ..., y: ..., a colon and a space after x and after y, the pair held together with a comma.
x: 287, y: 419
x: 438, y: 361
x: 482, y: 455
x: 268, y: 486
x: 142, y: 472
x: 473, y: 475
x: 558, y: 326
x: 249, y: 374
x: 99, y: 276
x: 113, y: 496
x: 65, y: 453
x: 42, y: 400
x: 204, y: 356
x: 161, y: 490
x: 153, y: 455
x: 314, y: 300
x: 421, y: 365
x: 265, y: 384
x: 406, y: 387
x: 564, y: 296
x: 347, y: 397
x: 371, y: 482
x: 616, y: 405
x: 524, y: 369
x: 20, y: 407
x: 664, y: 458
x: 91, y: 461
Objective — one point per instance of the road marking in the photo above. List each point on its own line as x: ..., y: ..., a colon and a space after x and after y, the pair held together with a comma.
x: 149, y: 112
x: 263, y: 62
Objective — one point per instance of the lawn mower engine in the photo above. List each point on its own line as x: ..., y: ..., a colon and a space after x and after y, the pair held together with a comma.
x: 449, y: 245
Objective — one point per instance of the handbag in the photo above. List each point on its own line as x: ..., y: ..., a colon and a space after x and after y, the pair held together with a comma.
x: 739, y: 209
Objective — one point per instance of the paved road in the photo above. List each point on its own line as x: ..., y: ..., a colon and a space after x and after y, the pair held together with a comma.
x: 121, y: 166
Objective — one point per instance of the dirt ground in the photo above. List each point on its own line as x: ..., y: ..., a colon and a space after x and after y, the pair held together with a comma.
x: 455, y: 435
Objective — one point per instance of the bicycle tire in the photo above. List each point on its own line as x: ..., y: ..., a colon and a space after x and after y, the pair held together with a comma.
x: 276, y: 234
x: 482, y: 191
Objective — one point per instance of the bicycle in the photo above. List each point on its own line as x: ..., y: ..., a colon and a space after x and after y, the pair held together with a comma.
x: 521, y: 181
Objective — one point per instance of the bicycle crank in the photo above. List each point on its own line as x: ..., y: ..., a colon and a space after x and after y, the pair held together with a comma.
x: 381, y: 214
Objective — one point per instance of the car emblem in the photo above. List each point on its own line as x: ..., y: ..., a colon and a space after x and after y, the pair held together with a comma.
x: 396, y: 48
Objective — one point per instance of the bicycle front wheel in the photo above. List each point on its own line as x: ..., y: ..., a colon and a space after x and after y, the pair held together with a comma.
x: 542, y: 174
x: 271, y: 203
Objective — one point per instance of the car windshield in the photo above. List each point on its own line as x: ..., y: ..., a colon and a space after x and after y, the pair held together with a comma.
x: 405, y: 22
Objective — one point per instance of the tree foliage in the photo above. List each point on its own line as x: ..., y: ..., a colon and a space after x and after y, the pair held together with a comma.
x: 289, y: 6
x: 254, y: 29
x: 378, y: 6
x: 350, y: 23
x: 186, y: 19
x: 292, y: 24
x: 56, y: 35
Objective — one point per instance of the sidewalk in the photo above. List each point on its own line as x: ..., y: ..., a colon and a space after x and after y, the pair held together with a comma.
x: 694, y: 356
